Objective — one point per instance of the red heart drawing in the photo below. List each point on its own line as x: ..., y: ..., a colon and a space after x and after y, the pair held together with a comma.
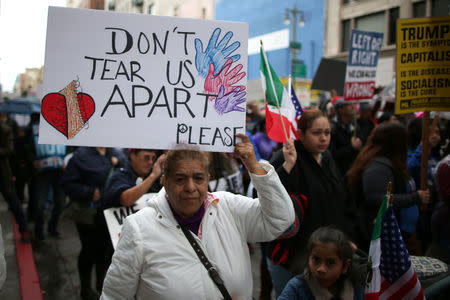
x: 54, y: 110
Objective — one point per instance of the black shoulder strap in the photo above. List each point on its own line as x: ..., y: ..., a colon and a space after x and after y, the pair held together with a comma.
x: 211, y: 270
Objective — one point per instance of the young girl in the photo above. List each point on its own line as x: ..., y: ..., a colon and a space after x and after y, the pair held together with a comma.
x: 327, y: 273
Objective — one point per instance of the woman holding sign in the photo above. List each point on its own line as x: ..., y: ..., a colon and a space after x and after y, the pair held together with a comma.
x: 155, y: 256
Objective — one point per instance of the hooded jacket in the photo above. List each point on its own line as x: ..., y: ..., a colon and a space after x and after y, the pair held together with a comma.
x: 154, y: 260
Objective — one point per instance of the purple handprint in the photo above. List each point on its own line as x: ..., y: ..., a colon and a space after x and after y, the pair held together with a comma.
x: 229, y: 102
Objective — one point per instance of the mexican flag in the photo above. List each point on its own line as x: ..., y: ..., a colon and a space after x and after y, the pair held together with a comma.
x: 392, y: 275
x: 280, y: 119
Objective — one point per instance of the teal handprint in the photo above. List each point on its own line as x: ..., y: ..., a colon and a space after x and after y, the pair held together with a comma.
x: 215, y: 53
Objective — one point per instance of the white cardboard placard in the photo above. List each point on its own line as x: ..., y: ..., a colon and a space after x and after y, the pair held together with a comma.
x: 141, y: 81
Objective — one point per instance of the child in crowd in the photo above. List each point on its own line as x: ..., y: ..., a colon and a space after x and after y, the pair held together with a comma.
x: 327, y: 273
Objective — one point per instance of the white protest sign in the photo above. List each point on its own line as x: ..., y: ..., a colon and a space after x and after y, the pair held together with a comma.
x: 232, y: 183
x: 141, y: 81
x: 362, y: 65
x: 116, y: 215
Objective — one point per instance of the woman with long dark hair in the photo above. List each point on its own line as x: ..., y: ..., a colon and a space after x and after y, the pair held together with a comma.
x: 316, y: 186
x: 381, y: 161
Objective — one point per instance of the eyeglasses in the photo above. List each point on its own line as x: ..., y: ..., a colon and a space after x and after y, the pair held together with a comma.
x: 148, y: 157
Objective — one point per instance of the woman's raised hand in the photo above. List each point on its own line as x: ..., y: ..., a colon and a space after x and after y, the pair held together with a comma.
x: 290, y: 155
x: 244, y: 150
x: 158, y: 166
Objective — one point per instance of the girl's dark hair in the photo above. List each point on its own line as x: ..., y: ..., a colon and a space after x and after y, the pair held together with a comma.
x: 344, y: 251
x: 308, y: 117
x: 329, y: 234
x: 388, y: 139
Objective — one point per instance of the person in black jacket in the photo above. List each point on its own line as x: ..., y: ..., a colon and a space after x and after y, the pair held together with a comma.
x: 311, y: 177
x: 381, y: 161
x: 84, y: 181
x: 344, y: 144
x: 140, y: 175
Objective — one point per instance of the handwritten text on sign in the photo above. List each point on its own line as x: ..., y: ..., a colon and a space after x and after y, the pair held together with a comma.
x: 423, y: 64
x: 127, y: 80
x: 362, y: 64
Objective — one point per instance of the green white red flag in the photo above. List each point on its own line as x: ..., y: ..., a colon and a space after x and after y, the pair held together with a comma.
x: 280, y: 111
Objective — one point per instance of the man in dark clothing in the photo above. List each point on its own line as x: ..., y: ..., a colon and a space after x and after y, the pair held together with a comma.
x: 129, y: 183
x: 365, y: 121
x: 344, y: 145
x: 7, y: 187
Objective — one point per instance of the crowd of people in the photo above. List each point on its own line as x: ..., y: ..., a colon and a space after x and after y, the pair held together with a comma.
x: 318, y: 198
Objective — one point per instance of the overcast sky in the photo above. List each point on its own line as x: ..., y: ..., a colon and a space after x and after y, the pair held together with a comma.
x: 23, y: 27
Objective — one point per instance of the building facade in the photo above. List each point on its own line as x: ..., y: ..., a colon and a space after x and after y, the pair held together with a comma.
x: 374, y: 15
x: 198, y: 9
x: 292, y: 32
x: 89, y: 4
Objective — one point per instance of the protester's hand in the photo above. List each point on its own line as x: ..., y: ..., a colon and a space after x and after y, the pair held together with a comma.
x: 244, y: 150
x: 96, y: 195
x: 158, y: 166
x: 227, y: 103
x: 215, y: 53
x: 225, y: 78
x: 424, y: 196
x: 114, y: 160
x: 356, y: 143
x: 290, y: 155
x: 353, y: 246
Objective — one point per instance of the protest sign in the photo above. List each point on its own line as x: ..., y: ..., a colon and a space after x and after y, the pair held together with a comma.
x: 134, y: 80
x: 232, y: 183
x: 362, y: 65
x: 116, y: 215
x: 423, y: 65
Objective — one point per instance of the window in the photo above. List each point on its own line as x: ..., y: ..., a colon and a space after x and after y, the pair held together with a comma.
x: 203, y: 13
x: 346, y: 32
x: 419, y: 9
x: 393, y: 16
x: 374, y: 22
x: 440, y: 8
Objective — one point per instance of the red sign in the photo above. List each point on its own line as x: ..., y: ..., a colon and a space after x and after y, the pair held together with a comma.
x: 359, y: 90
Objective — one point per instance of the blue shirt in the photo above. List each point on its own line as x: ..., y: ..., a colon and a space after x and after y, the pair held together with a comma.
x: 49, y: 156
x: 297, y: 289
x: 121, y: 180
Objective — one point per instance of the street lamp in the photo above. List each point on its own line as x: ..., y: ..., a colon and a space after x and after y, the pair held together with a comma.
x: 295, y: 46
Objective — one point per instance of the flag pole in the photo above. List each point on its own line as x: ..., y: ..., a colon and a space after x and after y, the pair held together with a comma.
x: 274, y: 91
x: 389, y: 190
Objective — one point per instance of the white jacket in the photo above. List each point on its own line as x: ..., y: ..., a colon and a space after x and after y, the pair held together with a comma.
x: 154, y: 260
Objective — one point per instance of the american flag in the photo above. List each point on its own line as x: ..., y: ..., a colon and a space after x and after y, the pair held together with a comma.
x: 393, y: 275
x: 298, y: 107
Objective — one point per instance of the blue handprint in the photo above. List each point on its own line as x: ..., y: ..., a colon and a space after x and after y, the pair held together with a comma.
x: 216, y: 54
x: 229, y: 102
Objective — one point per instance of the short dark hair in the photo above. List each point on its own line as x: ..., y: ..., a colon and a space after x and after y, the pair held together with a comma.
x: 175, y: 156
x: 330, y: 234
